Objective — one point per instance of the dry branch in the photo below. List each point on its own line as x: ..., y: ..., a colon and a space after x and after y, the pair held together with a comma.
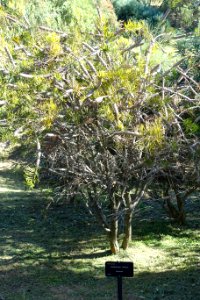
x: 10, y: 56
x: 135, y: 45
x: 188, y: 77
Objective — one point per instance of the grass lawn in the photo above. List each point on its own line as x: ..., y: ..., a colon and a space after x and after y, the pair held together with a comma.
x: 59, y: 253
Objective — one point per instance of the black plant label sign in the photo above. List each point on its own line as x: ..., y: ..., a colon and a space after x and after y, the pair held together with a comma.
x: 116, y: 269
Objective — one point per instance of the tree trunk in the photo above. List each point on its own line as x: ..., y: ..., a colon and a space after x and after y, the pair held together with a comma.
x: 181, y: 210
x: 127, y: 229
x: 113, y: 234
x: 177, y: 213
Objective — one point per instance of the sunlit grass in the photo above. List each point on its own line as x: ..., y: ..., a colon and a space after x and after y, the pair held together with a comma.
x: 60, y: 253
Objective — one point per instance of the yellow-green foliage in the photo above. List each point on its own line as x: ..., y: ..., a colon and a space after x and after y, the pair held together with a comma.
x: 49, y: 111
x: 54, y: 76
x: 53, y: 42
x: 138, y: 28
x: 166, y: 56
x: 80, y: 12
x: 153, y: 134
x: 174, y: 3
x: 19, y: 5
x: 63, y: 14
x: 30, y: 176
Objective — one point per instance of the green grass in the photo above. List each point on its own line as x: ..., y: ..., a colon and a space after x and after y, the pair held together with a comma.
x: 59, y: 253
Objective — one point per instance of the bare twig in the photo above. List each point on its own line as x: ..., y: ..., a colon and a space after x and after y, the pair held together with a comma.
x: 174, y: 66
x: 127, y: 132
x: 88, y: 47
x: 91, y: 65
x: 51, y: 30
x: 102, y: 61
x: 176, y: 93
x: 39, y: 153
x: 3, y: 102
x: 33, y: 76
x: 10, y: 18
x: 10, y: 56
x: 135, y: 45
x: 188, y: 77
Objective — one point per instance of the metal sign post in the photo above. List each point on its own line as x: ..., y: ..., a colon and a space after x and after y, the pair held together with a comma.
x: 119, y: 270
x: 119, y: 287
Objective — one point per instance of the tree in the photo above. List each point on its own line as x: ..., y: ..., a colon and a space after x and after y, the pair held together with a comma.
x: 137, y: 9
x: 105, y: 116
x: 121, y: 131
x: 183, y: 15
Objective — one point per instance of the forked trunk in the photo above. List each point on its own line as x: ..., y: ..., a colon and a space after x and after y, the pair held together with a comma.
x: 113, y: 235
x: 127, y: 229
x: 177, y: 213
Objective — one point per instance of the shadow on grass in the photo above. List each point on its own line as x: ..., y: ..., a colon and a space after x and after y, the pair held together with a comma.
x: 59, y: 253
x: 28, y: 227
x: 75, y: 281
x: 25, y: 217
x: 151, y: 221
x: 146, y: 230
x: 51, y: 254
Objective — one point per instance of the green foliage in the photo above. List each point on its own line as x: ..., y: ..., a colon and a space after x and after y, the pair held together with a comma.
x: 136, y: 9
x: 37, y: 99
x: 191, y: 127
x: 154, y: 135
x: 31, y: 177
x: 172, y: 4
x: 59, y: 14
x: 184, y: 14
